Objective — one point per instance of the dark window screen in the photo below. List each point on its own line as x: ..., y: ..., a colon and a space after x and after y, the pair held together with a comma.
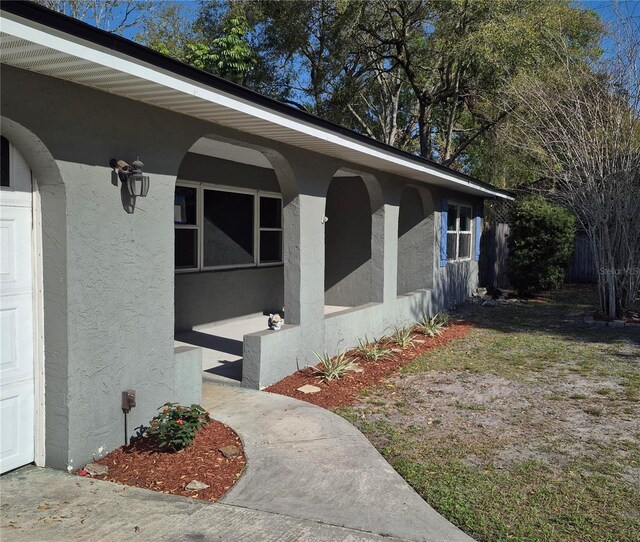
x: 270, y: 247
x: 228, y: 228
x: 4, y: 162
x: 452, y: 239
x: 452, y: 215
x: 270, y: 212
x: 186, y: 248
x: 465, y: 219
x: 464, y: 250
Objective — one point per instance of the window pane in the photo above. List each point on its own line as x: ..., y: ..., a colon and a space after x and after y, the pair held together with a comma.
x: 228, y: 228
x: 4, y: 161
x: 185, y: 205
x: 270, y: 246
x: 451, y: 246
x: 465, y: 218
x: 186, y: 249
x: 452, y: 211
x: 464, y: 250
x: 270, y: 212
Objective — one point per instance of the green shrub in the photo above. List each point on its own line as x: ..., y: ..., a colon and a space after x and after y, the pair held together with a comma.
x: 403, y: 337
x: 176, y: 426
x: 433, y: 326
x: 442, y: 318
x: 334, y: 367
x: 540, y: 245
x: 371, y: 351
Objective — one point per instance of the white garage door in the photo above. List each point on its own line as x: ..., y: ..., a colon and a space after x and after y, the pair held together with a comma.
x: 16, y: 312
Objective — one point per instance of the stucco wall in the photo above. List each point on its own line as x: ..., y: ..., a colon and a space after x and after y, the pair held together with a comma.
x: 209, y: 296
x: 108, y: 276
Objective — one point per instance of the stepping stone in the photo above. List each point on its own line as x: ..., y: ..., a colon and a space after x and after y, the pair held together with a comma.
x: 94, y: 469
x: 195, y: 485
x: 230, y: 451
x: 308, y: 388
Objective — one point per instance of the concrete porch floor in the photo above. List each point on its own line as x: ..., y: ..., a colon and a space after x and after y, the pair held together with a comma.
x: 221, y: 344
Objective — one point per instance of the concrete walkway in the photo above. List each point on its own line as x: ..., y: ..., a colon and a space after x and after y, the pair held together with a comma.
x: 311, y: 476
x: 46, y: 505
x: 307, y: 463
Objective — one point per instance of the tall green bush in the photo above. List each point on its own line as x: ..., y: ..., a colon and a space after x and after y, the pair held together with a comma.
x: 540, y: 245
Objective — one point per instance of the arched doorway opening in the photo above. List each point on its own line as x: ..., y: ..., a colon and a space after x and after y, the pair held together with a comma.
x: 353, y: 213
x: 415, y: 242
x: 229, y: 251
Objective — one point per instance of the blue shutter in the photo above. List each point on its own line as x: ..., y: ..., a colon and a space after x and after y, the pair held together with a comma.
x: 443, y: 239
x: 478, y: 232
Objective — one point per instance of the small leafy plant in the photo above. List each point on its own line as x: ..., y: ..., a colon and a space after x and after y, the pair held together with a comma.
x: 176, y: 425
x: 432, y: 326
x: 442, y: 318
x: 371, y: 351
x: 402, y: 337
x: 334, y: 367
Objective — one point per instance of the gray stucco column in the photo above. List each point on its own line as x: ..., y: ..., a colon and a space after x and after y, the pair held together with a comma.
x: 390, y: 214
x: 390, y: 256
x: 304, y: 241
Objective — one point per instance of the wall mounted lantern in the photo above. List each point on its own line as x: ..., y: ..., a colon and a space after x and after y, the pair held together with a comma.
x: 131, y: 176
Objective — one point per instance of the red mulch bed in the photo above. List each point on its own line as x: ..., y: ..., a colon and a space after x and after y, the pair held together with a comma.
x: 141, y: 464
x: 343, y: 391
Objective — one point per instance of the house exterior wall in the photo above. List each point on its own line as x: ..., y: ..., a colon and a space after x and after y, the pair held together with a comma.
x: 211, y: 296
x: 108, y: 274
x: 110, y: 288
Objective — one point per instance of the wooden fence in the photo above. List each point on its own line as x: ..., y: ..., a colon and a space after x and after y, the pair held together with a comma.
x: 495, y: 251
x: 582, y: 267
x: 493, y: 256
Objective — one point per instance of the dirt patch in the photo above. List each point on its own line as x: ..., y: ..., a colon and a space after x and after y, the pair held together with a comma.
x: 513, y: 421
x: 142, y: 465
x: 344, y: 391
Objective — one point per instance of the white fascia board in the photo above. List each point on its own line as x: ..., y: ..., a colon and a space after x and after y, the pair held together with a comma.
x: 124, y: 64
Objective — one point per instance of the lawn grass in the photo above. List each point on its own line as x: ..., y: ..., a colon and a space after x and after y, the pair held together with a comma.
x: 528, y: 429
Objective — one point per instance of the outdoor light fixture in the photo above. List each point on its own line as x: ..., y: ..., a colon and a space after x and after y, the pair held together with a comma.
x: 131, y: 175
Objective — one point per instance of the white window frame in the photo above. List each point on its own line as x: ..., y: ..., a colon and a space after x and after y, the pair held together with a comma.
x: 199, y: 226
x: 459, y: 205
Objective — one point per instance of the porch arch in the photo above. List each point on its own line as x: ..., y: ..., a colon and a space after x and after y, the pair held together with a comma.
x: 217, y: 304
x: 415, y: 240
x: 354, y: 239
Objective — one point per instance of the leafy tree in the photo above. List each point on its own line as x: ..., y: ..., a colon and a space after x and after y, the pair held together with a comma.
x: 229, y: 46
x: 228, y: 55
x: 170, y: 30
x: 540, y: 245
x: 456, y: 55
